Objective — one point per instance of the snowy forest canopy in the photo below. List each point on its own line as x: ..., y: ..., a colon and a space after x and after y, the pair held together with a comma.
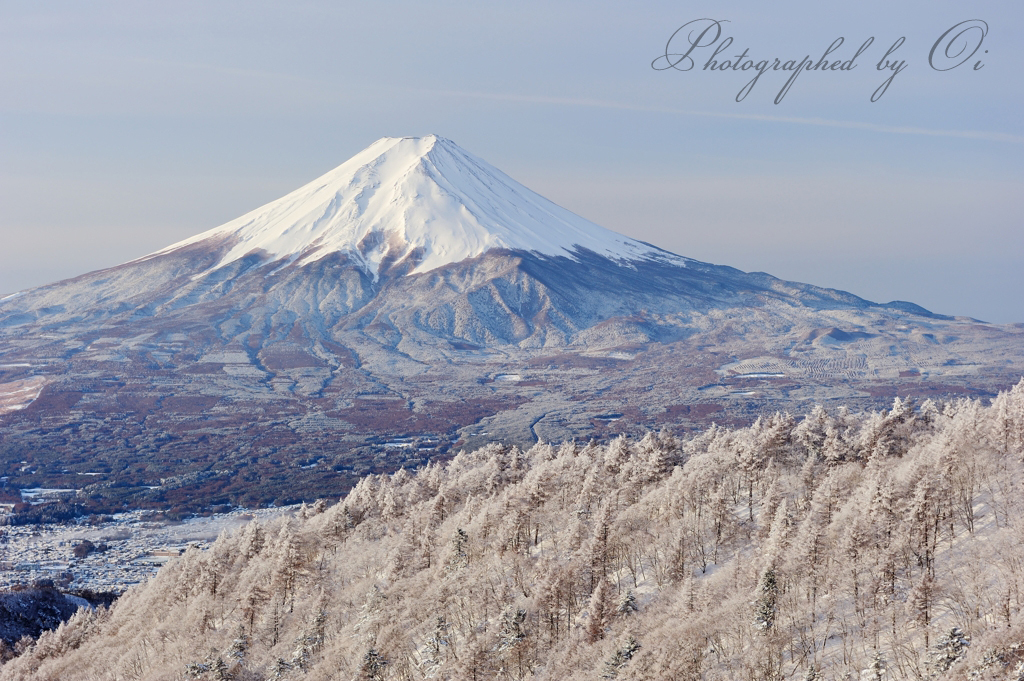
x: 882, y: 545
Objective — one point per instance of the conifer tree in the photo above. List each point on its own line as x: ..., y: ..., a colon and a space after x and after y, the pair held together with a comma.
x: 374, y: 666
x: 620, y: 658
x: 599, y: 611
x: 766, y: 604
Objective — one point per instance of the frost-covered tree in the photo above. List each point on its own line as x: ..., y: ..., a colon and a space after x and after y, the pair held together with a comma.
x: 627, y: 604
x: 599, y: 611
x: 949, y: 650
x: 458, y: 555
x: 809, y: 435
x: 841, y: 564
x: 620, y: 658
x: 374, y: 666
x: 766, y: 605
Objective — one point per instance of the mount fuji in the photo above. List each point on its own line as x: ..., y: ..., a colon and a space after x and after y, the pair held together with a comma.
x: 417, y: 204
x: 413, y: 299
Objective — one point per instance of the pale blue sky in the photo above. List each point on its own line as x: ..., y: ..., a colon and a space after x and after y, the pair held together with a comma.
x: 126, y: 126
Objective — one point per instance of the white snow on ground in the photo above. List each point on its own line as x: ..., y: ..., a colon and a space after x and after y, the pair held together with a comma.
x: 416, y: 195
x: 36, y: 492
x: 17, y: 395
x: 44, y: 551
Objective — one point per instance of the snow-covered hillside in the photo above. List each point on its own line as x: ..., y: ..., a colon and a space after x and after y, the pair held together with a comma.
x: 423, y: 198
x: 844, y: 546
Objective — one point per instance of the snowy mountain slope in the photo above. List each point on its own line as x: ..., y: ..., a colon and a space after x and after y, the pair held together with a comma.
x: 419, y: 201
x: 409, y: 207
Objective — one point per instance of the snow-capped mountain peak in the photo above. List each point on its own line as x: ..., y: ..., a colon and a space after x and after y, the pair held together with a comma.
x: 423, y: 198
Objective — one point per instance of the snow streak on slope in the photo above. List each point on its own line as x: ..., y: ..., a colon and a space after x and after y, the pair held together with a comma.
x: 419, y: 197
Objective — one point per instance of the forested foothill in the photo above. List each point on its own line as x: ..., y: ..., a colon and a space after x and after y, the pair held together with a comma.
x: 28, y: 610
x: 876, y: 545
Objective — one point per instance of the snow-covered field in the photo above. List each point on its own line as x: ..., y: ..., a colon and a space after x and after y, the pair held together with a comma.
x: 32, y: 552
x: 17, y: 395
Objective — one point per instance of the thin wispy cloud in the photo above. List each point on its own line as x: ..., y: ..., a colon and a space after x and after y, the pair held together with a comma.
x: 823, y: 122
